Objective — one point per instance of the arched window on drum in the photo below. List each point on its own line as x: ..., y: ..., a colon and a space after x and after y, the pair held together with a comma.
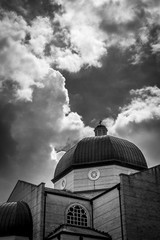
x: 77, y: 215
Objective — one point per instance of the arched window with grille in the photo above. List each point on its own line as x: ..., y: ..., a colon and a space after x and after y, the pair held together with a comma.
x: 77, y: 215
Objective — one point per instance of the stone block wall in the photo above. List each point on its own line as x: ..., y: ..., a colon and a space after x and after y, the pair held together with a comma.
x: 34, y: 197
x: 106, y: 214
x: 56, y: 207
x: 140, y: 197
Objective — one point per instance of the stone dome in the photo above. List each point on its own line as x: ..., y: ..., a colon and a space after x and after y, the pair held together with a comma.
x: 100, y: 151
x: 15, y: 219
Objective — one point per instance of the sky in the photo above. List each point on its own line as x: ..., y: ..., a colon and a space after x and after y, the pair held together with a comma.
x: 65, y: 65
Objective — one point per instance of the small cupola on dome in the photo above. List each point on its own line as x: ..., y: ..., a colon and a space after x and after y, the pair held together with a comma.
x: 100, y: 130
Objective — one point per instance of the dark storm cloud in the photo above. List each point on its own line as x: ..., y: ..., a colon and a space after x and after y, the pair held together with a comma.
x: 131, y: 25
x: 30, y: 9
x: 24, y: 139
x: 112, y: 84
x: 7, y: 143
x: 30, y: 130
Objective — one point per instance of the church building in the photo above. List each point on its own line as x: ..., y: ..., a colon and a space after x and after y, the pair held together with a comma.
x: 103, y: 189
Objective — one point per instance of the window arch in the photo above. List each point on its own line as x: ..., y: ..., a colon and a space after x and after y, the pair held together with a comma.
x: 77, y: 215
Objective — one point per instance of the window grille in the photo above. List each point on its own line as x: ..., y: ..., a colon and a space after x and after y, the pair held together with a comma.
x: 76, y: 215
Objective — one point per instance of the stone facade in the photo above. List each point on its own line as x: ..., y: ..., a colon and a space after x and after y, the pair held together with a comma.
x: 56, y: 208
x: 106, y: 210
x: 129, y: 210
x: 141, y: 205
x: 34, y: 196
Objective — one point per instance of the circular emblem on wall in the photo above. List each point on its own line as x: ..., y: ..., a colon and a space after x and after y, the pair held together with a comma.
x: 63, y: 183
x: 94, y: 174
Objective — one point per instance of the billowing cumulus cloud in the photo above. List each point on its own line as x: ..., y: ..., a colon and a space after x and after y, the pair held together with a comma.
x: 88, y: 29
x: 144, y: 107
x: 36, y: 119
x: 139, y: 122
x: 84, y: 40
x: 80, y: 33
x: 41, y: 33
x: 46, y: 121
x: 35, y: 131
x: 17, y: 63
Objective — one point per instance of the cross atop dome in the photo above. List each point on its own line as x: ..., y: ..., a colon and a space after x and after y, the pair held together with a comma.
x: 100, y: 130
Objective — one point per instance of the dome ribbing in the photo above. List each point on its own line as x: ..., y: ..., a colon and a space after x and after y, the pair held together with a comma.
x: 101, y: 150
x: 15, y: 219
